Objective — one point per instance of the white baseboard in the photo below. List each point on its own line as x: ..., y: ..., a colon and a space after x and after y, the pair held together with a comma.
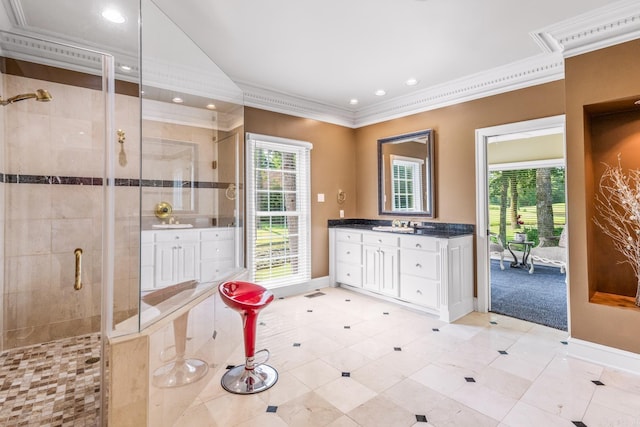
x: 608, y: 356
x: 301, y: 288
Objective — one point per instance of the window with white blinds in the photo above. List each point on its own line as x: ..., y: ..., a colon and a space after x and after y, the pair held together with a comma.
x: 406, y: 188
x: 278, y: 210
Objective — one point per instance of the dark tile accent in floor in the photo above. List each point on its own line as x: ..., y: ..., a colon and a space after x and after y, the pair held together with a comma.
x: 421, y: 419
x: 347, y: 327
x: 397, y: 349
x: 230, y: 367
x: 296, y: 344
x: 385, y: 313
x: 309, y: 311
x: 346, y: 374
x: 502, y: 352
x: 597, y: 382
x: 579, y: 424
x: 271, y: 408
x: 493, y: 323
x: 435, y: 329
x: 348, y: 300
x: 52, y: 383
x: 469, y: 379
x: 564, y: 342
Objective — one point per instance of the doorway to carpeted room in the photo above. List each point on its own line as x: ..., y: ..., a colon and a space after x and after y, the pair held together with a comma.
x: 540, y: 297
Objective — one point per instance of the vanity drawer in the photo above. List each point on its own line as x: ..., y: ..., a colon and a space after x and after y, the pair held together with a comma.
x: 420, y: 243
x: 349, y: 274
x: 420, y: 263
x: 348, y: 236
x: 216, y: 235
x: 419, y: 291
x: 349, y: 252
x: 172, y: 236
x: 215, y: 249
x: 386, y: 239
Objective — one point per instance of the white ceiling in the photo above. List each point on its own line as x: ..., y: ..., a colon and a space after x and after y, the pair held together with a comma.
x: 310, y: 58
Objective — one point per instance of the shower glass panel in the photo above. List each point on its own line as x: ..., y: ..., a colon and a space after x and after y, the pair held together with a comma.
x: 52, y: 182
x: 191, y: 186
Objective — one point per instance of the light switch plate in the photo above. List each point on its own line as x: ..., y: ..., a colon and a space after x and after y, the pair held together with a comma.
x: 320, y: 197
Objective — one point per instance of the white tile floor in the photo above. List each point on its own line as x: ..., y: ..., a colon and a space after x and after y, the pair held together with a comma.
x: 396, y: 367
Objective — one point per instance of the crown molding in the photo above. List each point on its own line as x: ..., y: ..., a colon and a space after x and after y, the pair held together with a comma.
x: 279, y: 102
x: 616, y: 23
x: 517, y: 75
x: 189, y: 116
x: 532, y: 71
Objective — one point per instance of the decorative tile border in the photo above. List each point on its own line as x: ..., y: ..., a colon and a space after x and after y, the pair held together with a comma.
x: 119, y: 182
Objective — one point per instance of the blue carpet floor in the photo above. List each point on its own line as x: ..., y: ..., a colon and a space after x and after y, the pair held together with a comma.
x: 540, y: 297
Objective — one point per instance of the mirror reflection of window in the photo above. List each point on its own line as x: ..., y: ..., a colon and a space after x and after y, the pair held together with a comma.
x: 406, y: 189
x: 405, y: 174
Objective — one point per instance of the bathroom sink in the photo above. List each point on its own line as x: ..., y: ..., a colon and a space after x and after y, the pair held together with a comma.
x: 393, y: 229
x: 172, y: 226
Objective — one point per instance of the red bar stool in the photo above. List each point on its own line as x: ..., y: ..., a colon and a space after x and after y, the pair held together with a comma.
x: 248, y: 299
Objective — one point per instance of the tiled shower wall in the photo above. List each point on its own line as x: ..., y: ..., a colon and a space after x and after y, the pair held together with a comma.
x: 53, y: 169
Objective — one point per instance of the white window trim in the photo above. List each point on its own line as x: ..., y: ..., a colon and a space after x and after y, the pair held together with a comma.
x: 303, y: 148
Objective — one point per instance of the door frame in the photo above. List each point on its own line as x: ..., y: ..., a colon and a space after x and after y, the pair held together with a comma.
x: 482, y: 195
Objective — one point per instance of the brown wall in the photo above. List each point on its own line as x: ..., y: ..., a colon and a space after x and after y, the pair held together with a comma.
x: 598, y: 77
x: 346, y: 158
x: 455, y: 180
x: 332, y: 168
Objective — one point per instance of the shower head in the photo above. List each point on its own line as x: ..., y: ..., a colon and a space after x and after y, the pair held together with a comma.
x: 40, y: 95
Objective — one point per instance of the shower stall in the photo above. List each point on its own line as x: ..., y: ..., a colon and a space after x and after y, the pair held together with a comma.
x: 92, y: 140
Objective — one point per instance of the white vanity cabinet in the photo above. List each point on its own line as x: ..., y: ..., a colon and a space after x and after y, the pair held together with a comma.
x: 217, y: 250
x: 168, y: 257
x: 420, y: 267
x: 434, y: 274
x: 348, y: 257
x: 380, y: 263
x: 177, y: 257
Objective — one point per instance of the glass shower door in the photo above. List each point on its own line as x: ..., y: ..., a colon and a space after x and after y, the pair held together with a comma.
x: 52, y: 164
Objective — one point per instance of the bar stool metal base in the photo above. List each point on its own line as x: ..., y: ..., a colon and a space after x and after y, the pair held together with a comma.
x: 179, y: 373
x: 240, y: 380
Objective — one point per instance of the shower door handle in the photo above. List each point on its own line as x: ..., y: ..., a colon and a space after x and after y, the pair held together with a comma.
x: 77, y: 285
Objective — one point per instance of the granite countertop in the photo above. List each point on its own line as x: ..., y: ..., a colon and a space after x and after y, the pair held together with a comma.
x: 433, y: 229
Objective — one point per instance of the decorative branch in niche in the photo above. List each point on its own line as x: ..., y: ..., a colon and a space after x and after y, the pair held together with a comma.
x: 618, y: 208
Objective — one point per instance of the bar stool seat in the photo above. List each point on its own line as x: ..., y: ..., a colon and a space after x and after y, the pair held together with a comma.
x: 248, y: 299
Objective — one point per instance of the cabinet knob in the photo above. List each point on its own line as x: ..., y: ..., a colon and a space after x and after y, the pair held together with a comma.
x: 418, y: 245
x: 348, y: 237
x: 379, y: 240
x: 348, y: 274
x: 418, y: 265
x: 176, y: 237
x: 419, y: 292
x: 348, y: 252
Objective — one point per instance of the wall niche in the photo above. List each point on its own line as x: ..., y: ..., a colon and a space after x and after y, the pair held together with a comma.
x: 612, y: 130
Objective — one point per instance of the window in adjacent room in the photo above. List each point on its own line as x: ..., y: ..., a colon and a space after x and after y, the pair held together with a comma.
x: 278, y: 210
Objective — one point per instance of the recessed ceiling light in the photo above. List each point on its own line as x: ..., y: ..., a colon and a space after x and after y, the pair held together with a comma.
x: 211, y: 106
x: 353, y: 101
x: 125, y: 68
x: 177, y: 100
x: 380, y: 92
x: 113, y: 15
x: 411, y: 82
